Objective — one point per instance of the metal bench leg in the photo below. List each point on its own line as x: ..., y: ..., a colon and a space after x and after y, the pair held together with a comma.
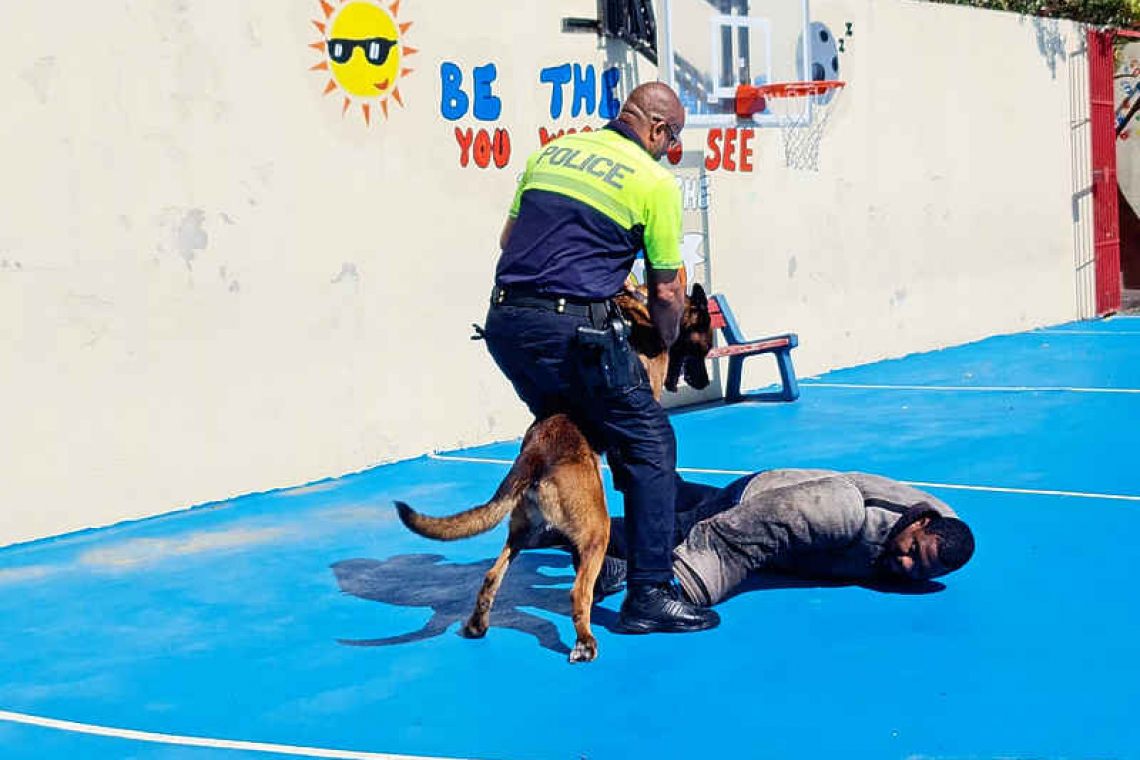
x: 788, y: 375
x: 790, y: 390
x: 732, y: 384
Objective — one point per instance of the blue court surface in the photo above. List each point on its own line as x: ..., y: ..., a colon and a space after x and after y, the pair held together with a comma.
x: 309, y: 622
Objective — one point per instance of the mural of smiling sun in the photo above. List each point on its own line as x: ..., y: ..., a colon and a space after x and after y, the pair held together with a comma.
x: 364, y: 52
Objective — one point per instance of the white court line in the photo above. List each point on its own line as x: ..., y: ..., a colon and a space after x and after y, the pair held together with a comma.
x: 1031, y: 491
x: 1085, y: 332
x: 916, y: 483
x: 197, y: 741
x: 973, y: 388
x: 485, y: 460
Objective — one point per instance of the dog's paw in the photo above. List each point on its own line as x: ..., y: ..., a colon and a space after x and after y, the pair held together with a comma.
x: 584, y: 651
x: 472, y: 631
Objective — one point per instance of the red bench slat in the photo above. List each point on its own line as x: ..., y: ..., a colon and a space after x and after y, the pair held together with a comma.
x: 718, y: 320
x: 748, y: 348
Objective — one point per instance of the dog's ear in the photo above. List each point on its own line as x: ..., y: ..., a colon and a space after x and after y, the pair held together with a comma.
x: 697, y: 316
x: 698, y: 298
x: 696, y: 373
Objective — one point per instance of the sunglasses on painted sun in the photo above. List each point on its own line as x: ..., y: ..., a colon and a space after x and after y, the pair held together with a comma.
x: 376, y: 49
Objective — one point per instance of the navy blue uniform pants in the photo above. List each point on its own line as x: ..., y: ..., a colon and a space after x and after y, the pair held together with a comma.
x: 695, y: 502
x: 539, y: 353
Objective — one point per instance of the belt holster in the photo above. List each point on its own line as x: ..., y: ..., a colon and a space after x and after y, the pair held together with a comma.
x: 607, y: 349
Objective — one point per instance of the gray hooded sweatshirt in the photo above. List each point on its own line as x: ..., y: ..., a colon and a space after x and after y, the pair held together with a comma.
x: 814, y: 523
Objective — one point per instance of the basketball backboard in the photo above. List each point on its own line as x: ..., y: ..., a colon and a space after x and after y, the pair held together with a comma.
x: 709, y: 47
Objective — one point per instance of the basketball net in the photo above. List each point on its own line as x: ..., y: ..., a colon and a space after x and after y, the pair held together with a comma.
x: 801, y: 109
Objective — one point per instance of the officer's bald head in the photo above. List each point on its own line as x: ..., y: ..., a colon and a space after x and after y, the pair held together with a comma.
x: 653, y: 99
x: 656, y: 114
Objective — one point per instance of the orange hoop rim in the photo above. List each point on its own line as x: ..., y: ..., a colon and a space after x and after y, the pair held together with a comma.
x: 798, y: 89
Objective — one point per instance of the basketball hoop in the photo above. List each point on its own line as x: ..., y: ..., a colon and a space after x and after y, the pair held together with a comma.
x: 801, y: 109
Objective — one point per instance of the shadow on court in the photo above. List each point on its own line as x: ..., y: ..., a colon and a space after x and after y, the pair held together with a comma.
x: 449, y: 589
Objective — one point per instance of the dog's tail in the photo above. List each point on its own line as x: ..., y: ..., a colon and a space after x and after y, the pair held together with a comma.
x: 478, y: 519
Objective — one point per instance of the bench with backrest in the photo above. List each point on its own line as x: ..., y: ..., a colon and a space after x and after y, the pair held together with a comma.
x: 738, y: 348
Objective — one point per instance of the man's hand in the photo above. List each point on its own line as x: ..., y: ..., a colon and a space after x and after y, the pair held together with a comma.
x: 666, y: 301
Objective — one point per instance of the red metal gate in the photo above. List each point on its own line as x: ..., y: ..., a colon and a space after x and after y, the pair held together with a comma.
x: 1106, y: 222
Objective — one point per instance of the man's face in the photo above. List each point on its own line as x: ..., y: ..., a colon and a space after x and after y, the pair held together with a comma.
x: 914, y: 553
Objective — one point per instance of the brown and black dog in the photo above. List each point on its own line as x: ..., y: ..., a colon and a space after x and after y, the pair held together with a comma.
x: 556, y: 478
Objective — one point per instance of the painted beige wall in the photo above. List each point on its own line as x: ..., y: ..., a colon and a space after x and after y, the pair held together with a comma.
x: 213, y: 283
x: 943, y: 208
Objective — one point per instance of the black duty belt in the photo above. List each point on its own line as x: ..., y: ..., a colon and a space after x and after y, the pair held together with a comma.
x: 559, y: 304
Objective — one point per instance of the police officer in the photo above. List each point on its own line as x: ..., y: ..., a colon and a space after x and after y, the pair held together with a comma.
x: 584, y: 207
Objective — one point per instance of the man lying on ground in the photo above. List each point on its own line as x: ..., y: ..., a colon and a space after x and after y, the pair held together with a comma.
x: 809, y: 523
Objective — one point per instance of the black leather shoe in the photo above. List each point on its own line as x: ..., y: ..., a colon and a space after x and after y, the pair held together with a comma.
x: 610, y: 579
x: 659, y: 608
